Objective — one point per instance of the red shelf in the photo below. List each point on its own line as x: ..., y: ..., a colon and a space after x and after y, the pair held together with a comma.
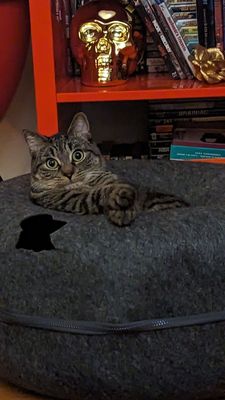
x: 144, y: 87
x: 48, y: 46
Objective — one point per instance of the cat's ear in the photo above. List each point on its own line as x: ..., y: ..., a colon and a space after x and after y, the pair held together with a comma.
x: 34, y: 141
x: 80, y: 127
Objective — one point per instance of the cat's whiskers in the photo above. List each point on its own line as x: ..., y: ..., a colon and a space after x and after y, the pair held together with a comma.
x: 68, y: 174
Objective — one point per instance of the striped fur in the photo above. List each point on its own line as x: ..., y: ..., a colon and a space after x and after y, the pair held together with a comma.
x: 68, y: 174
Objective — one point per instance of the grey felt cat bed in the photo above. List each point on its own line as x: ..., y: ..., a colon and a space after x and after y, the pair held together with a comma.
x: 166, y: 264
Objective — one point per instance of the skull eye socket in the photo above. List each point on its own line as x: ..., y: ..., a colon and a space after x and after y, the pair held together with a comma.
x: 89, y: 32
x: 118, y: 32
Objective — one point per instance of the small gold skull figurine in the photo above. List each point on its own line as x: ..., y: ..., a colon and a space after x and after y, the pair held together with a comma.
x: 103, y: 43
x: 209, y: 64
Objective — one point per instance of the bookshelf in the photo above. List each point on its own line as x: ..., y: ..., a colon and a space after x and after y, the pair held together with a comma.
x: 52, y: 86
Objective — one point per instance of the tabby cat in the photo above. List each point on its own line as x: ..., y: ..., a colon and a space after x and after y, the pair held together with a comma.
x: 68, y: 174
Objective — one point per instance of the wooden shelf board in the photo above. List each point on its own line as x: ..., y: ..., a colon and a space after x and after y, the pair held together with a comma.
x: 142, y: 87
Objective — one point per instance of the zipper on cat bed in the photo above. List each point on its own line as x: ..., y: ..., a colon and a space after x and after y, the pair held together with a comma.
x: 101, y: 328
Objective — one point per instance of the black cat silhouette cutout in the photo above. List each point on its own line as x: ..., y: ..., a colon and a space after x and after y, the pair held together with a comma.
x: 36, y: 231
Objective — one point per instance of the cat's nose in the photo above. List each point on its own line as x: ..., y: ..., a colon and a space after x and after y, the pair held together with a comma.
x: 68, y: 170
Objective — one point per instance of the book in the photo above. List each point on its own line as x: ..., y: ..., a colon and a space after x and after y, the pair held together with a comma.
x: 161, y: 7
x: 218, y: 13
x: 223, y: 15
x: 161, y: 129
x: 200, y: 135
x: 72, y: 7
x: 206, y: 23
x: 198, y: 143
x: 146, y: 13
x: 156, y: 151
x: 138, y: 26
x: 160, y: 136
x: 66, y: 18
x: 187, y: 120
x: 191, y: 152
x: 184, y: 15
x: 57, y: 4
x: 188, y: 113
x: 186, y: 104
x: 160, y: 143
x: 186, y: 23
x: 181, y: 8
x: 171, y: 39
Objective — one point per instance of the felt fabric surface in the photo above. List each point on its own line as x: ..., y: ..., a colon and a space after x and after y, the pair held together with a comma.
x: 169, y: 263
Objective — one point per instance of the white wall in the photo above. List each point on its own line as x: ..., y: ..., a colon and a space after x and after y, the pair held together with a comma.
x: 14, y: 156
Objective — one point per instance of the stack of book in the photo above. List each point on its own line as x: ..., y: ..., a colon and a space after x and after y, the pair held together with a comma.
x: 160, y: 139
x: 171, y: 122
x: 178, y: 26
x: 173, y: 25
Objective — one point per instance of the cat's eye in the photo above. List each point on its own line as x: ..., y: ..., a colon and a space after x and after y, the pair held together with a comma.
x: 51, y: 163
x: 78, y: 156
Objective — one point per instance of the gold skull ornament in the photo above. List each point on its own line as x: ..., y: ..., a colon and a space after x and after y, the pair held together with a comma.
x: 102, y: 43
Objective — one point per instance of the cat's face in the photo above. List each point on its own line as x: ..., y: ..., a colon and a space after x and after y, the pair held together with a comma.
x: 66, y: 157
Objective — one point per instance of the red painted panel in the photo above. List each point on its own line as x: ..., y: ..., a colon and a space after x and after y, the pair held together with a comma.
x: 14, y: 41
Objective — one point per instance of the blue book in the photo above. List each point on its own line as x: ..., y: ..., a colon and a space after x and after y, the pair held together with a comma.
x: 179, y: 152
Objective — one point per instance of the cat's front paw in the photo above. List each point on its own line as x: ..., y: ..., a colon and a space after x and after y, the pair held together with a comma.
x: 122, y: 197
x: 121, y: 217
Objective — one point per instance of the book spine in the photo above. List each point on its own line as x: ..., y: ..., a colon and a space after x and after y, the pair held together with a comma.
x: 181, y: 8
x: 223, y: 14
x: 79, y: 3
x: 172, y: 41
x: 58, y: 10
x: 187, y: 142
x: 178, y: 152
x: 66, y: 18
x: 175, y: 32
x: 73, y: 7
x: 211, y: 39
x: 187, y: 113
x: 202, y: 22
x: 218, y: 12
x: 163, y: 45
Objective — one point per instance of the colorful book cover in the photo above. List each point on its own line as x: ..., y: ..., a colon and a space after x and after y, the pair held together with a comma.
x: 175, y: 31
x: 181, y: 152
x: 146, y: 13
x: 162, y: 22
